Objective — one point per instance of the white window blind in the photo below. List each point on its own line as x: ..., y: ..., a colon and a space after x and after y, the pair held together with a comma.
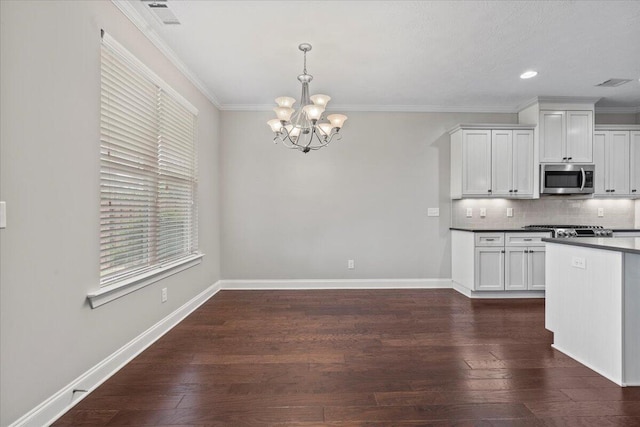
x: 148, y: 170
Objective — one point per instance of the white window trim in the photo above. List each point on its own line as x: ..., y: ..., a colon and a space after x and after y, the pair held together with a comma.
x: 111, y: 292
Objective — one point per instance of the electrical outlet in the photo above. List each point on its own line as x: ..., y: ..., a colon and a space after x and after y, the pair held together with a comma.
x: 3, y: 214
x: 578, y: 262
x: 433, y: 212
x: 509, y: 212
x: 469, y: 212
x: 483, y: 212
x: 351, y: 264
x: 601, y: 212
x: 164, y: 294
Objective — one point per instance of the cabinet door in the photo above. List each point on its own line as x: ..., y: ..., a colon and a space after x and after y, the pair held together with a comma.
x: 579, y: 136
x: 515, y: 268
x: 536, y: 268
x: 476, y: 162
x: 634, y: 167
x: 502, y: 162
x: 489, y: 269
x: 619, y: 163
x: 523, y: 162
x: 600, y: 159
x: 553, y: 133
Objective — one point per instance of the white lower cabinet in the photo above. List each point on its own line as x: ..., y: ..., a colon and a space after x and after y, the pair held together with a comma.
x: 489, y: 271
x: 488, y: 261
x: 524, y: 268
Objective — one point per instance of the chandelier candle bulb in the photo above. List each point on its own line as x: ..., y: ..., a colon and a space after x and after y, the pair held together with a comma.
x: 320, y: 99
x: 283, y: 113
x: 285, y: 101
x: 276, y: 125
x: 337, y: 120
x: 313, y: 112
x: 305, y: 129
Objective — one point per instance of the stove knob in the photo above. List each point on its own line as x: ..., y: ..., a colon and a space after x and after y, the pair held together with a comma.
x: 573, y: 233
x: 560, y: 233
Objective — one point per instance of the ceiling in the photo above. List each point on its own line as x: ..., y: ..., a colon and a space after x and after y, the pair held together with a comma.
x: 403, y: 55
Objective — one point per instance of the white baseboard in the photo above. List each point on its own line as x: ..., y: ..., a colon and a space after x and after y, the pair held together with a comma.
x: 58, y: 404
x: 336, y: 284
x: 496, y: 294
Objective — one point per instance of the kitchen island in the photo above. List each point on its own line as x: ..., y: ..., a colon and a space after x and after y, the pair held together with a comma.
x: 593, y: 303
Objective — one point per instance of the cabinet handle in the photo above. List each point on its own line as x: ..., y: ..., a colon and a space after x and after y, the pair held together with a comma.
x: 489, y: 191
x: 502, y: 251
x: 564, y: 158
x: 490, y: 240
x: 633, y: 191
x: 569, y: 158
x: 528, y: 240
x: 515, y: 191
x: 510, y: 191
x: 607, y: 191
x: 613, y: 191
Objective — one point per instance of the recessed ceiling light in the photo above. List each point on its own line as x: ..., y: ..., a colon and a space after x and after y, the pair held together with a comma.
x: 528, y: 74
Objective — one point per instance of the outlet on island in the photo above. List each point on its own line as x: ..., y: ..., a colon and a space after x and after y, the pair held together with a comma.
x: 351, y: 264
x: 164, y: 294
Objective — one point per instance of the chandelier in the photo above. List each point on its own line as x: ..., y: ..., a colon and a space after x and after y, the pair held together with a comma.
x: 305, y: 129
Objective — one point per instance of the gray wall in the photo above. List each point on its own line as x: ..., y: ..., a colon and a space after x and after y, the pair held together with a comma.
x: 289, y: 215
x: 49, y: 171
x: 616, y: 119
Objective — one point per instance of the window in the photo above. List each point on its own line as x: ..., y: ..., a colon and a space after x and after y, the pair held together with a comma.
x: 148, y: 170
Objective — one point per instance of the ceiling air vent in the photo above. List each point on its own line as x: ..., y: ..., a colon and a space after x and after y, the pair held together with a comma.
x: 161, y: 10
x: 613, y: 82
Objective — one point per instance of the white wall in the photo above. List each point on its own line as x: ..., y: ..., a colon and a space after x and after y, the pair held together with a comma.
x: 49, y: 148
x: 289, y: 215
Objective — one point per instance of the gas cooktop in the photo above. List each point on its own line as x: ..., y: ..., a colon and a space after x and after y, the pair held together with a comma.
x: 573, y: 230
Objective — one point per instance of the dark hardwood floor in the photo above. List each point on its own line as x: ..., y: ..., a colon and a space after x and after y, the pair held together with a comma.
x: 353, y: 358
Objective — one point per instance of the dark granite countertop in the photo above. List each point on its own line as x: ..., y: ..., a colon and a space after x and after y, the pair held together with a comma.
x: 523, y: 230
x: 620, y: 244
x: 501, y: 230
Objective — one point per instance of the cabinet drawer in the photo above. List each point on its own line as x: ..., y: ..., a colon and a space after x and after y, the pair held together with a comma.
x: 489, y: 239
x: 525, y: 239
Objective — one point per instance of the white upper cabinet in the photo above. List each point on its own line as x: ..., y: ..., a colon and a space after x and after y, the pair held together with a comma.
x: 634, y: 167
x: 489, y: 162
x: 512, y: 162
x: 476, y: 162
x: 523, y: 162
x: 502, y: 161
x: 579, y: 136
x: 553, y: 136
x: 566, y: 136
x: 616, y: 154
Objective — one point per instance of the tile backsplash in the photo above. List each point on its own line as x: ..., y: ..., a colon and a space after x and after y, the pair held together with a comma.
x: 618, y: 213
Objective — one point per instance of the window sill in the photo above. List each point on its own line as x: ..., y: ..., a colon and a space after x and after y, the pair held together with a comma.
x: 111, y: 292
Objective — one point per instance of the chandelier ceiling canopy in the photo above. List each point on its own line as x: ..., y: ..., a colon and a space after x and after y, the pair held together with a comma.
x: 306, y: 128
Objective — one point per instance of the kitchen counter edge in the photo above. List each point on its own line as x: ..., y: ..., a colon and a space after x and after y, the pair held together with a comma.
x: 619, y: 244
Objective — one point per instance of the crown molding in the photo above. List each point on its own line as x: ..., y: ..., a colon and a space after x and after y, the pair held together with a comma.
x: 136, y: 18
x: 386, y: 108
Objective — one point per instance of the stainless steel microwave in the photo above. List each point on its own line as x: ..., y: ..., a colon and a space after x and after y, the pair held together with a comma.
x: 567, y: 179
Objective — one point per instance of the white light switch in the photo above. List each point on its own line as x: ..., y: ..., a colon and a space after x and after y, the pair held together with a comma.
x: 433, y: 212
x: 469, y: 212
x: 509, y: 212
x: 578, y: 262
x: 483, y: 212
x: 3, y: 214
x: 600, y: 212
